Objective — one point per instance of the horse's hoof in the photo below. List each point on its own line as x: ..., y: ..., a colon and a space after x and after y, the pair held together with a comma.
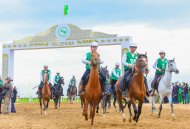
x: 124, y: 119
x: 173, y: 116
x: 130, y: 120
x: 135, y: 123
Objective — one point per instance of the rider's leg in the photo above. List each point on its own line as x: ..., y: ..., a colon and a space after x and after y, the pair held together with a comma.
x: 51, y: 89
x: 86, y: 73
x: 62, y: 91
x: 126, y: 80
x: 103, y: 82
x: 146, y: 85
x: 40, y: 89
x: 153, y: 84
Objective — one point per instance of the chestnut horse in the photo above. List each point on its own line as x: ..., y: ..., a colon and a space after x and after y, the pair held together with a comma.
x: 92, y: 88
x: 46, y: 93
x: 136, y: 89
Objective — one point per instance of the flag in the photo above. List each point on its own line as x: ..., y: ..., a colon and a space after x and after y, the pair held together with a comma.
x: 66, y: 8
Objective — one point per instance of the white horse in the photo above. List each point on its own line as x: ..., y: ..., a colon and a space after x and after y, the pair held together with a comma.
x: 165, y: 87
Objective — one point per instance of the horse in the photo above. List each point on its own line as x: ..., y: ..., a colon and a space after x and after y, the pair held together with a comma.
x: 1, y: 97
x: 92, y: 88
x: 165, y: 88
x: 79, y: 93
x: 107, y: 97
x: 136, y: 89
x: 46, y: 93
x: 72, y: 92
x: 57, y: 91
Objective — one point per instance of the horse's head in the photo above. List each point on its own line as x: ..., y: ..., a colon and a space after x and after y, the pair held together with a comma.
x: 172, y: 66
x: 61, y: 81
x: 105, y: 71
x: 95, y: 60
x: 142, y: 63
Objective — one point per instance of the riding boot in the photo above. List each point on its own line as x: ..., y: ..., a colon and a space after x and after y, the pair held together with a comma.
x: 124, y: 89
x: 39, y: 92
x: 83, y: 86
x: 146, y: 85
x: 62, y: 91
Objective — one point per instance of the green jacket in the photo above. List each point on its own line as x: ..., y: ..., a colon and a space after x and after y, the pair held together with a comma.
x: 56, y: 79
x: 46, y: 72
x: 1, y: 83
x: 130, y: 59
x: 118, y: 72
x: 161, y: 64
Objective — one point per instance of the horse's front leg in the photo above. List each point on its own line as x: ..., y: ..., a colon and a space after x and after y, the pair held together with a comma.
x: 171, y: 104
x: 135, y: 109
x: 97, y: 108
x: 153, y: 103
x: 160, y: 109
x: 85, y: 109
x: 139, y: 110
x: 119, y: 98
x: 130, y: 113
x: 93, y: 113
x: 40, y: 99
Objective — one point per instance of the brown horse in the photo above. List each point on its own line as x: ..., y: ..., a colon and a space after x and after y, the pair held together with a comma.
x: 46, y: 93
x: 92, y: 88
x: 79, y: 93
x: 136, y: 89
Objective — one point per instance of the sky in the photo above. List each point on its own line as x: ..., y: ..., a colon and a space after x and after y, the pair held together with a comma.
x: 154, y: 25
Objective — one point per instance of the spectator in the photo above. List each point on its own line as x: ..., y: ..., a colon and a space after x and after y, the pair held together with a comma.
x: 180, y: 92
x: 186, y: 97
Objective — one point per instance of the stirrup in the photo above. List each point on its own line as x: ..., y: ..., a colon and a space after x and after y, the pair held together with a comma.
x: 124, y: 94
x: 83, y: 92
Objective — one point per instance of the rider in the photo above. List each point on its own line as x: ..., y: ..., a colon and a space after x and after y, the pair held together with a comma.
x: 129, y: 60
x: 70, y: 84
x: 116, y: 73
x: 159, y: 66
x: 56, y: 79
x: 43, y: 72
x: 87, y: 60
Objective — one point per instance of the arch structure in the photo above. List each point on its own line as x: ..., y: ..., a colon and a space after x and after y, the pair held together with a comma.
x: 59, y: 36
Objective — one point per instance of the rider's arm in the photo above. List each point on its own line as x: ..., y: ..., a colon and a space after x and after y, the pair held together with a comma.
x: 155, y: 65
x: 49, y: 76
x: 124, y: 58
x: 54, y: 81
x: 41, y: 76
x: 84, y: 61
x: 114, y: 73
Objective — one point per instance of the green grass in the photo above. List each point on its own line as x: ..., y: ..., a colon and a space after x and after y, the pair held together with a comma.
x: 35, y: 100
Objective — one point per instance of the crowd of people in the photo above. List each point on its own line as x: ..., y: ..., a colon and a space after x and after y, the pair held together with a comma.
x: 8, y: 96
x: 181, y: 93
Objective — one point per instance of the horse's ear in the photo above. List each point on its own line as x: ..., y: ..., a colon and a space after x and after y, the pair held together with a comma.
x: 106, y: 66
x: 146, y: 53
x: 174, y: 59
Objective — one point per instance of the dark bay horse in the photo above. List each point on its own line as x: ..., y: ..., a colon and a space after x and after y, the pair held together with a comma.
x: 107, y: 97
x: 57, y: 92
x: 72, y: 92
x: 46, y: 93
x: 1, y: 97
x: 92, y: 88
x: 136, y: 89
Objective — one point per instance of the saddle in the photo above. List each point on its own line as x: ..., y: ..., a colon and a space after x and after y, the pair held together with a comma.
x: 155, y: 86
x: 127, y: 82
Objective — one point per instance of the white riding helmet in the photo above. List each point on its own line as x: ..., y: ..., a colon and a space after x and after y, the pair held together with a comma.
x: 133, y: 45
x: 45, y: 65
x: 117, y: 63
x: 94, y: 44
x: 162, y: 51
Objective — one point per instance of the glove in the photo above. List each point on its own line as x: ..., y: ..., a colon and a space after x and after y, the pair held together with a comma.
x: 159, y: 70
x: 88, y: 62
x: 130, y: 65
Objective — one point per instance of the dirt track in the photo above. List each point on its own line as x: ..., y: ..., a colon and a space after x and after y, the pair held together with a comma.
x: 69, y: 117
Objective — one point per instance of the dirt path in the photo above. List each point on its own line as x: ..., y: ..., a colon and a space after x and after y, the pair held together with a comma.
x: 69, y: 117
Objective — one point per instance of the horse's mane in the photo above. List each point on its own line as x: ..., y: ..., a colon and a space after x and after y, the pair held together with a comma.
x: 142, y: 55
